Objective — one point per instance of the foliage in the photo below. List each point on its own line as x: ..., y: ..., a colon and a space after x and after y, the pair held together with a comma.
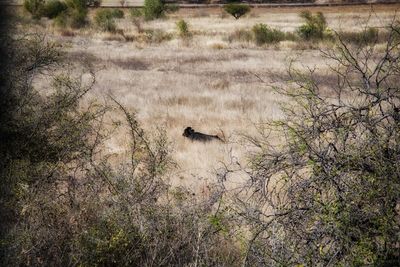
x: 53, y: 8
x: 61, y: 20
x: 105, y: 19
x: 77, y: 13
x: 117, y: 13
x: 153, y: 9
x: 237, y: 10
x: 265, y: 35
x: 93, y: 3
x: 136, y: 12
x: 183, y: 29
x: 64, y: 203
x: 314, y: 27
x: 329, y: 193
x: 35, y: 7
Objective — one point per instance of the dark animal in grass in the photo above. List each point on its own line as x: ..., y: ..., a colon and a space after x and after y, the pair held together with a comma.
x: 196, y: 136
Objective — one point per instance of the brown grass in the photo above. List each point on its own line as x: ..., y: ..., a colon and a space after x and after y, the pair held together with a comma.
x: 210, y: 84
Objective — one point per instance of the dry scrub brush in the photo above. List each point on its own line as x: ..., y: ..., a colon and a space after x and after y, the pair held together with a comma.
x: 63, y: 201
x: 329, y: 193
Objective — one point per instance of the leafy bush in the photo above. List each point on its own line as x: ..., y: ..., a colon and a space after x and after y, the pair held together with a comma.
x: 93, y: 3
x: 314, y: 27
x: 61, y: 20
x: 77, y: 13
x: 153, y: 9
x: 265, y: 35
x: 183, y: 29
x: 34, y: 7
x: 117, y: 13
x: 237, y: 10
x: 136, y: 12
x: 104, y: 19
x: 53, y: 8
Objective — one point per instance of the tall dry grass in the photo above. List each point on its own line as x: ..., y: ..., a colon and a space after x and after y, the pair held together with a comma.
x: 209, y: 83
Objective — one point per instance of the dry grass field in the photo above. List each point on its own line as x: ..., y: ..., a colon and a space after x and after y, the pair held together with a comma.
x: 209, y: 82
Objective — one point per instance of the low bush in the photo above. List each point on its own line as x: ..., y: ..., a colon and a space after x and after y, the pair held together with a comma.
x: 315, y: 26
x: 77, y: 13
x: 105, y: 20
x: 53, y: 8
x: 34, y: 7
x: 61, y: 20
x: 136, y: 12
x: 265, y: 35
x: 153, y: 9
x: 237, y: 10
x: 117, y: 13
x: 183, y: 29
x: 93, y: 3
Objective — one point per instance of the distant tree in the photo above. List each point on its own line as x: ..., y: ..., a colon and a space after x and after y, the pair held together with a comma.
x: 237, y: 10
x: 153, y: 9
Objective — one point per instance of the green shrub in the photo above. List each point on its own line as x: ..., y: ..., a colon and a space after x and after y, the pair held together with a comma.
x: 104, y: 19
x: 136, y: 12
x: 93, y: 3
x: 183, y: 29
x: 237, y: 10
x: 34, y: 7
x: 53, y: 8
x: 153, y: 9
x: 61, y: 20
x: 265, y: 35
x: 314, y: 27
x: 77, y: 13
x: 117, y: 13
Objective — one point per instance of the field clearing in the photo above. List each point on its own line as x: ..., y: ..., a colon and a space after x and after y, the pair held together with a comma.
x: 208, y: 83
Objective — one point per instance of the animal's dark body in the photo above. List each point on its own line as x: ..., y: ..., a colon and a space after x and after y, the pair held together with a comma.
x: 196, y: 136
